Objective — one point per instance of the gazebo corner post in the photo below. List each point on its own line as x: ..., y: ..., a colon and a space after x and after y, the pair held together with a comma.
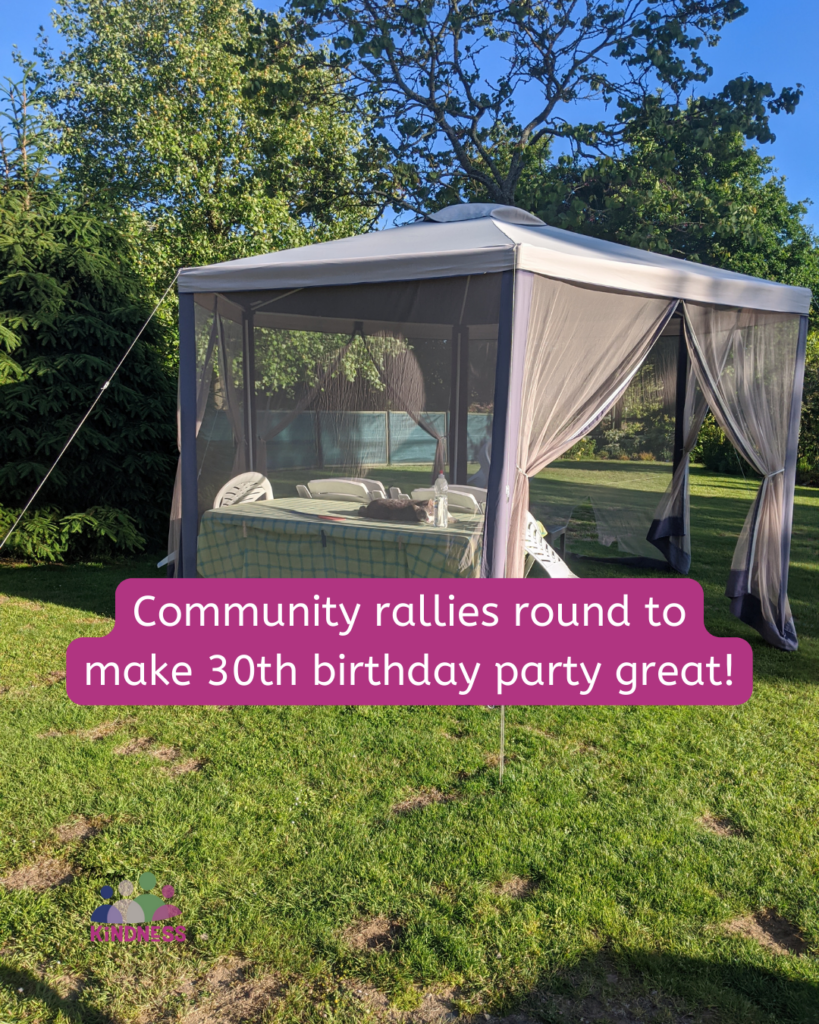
x: 513, y: 327
x: 249, y: 387
x: 187, y: 430
x: 791, y: 458
x: 680, y: 426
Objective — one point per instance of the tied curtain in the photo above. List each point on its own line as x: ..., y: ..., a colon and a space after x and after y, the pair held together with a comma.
x: 670, y: 530
x: 746, y: 364
x: 583, y: 347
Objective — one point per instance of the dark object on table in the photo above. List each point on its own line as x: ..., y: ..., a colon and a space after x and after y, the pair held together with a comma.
x: 398, y: 510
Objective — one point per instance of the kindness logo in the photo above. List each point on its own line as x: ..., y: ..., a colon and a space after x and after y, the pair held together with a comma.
x: 136, y: 918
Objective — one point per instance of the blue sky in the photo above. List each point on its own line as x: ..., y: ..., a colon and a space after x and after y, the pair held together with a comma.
x: 776, y: 41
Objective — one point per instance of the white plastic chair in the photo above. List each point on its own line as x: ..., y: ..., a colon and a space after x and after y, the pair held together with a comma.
x: 457, y: 499
x: 396, y: 492
x: 538, y: 550
x: 302, y: 491
x: 478, y: 493
x: 347, y: 488
x: 242, y: 488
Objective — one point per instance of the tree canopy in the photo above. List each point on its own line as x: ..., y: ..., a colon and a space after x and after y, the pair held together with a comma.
x: 70, y: 304
x: 162, y: 119
x: 467, y: 87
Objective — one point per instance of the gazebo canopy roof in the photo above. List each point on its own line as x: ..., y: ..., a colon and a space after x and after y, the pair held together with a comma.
x: 482, y: 238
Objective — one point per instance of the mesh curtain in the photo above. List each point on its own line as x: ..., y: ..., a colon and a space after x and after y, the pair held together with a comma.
x: 338, y: 381
x: 583, y: 347
x: 670, y: 531
x: 746, y: 362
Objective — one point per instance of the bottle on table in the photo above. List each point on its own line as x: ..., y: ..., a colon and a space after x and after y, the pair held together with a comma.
x: 440, y: 502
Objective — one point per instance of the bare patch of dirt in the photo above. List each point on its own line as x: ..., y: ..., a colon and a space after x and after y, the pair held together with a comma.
x: 587, y: 748
x: 719, y: 825
x: 43, y: 874
x: 436, y: 1005
x: 99, y: 732
x: 69, y: 986
x: 137, y: 746
x: 191, y: 764
x: 173, y: 763
x: 516, y: 887
x: 375, y: 1001
x: 493, y: 760
x: 227, y: 995
x: 374, y: 934
x: 422, y: 799
x: 165, y: 753
x: 54, y: 677
x: 96, y: 732
x: 771, y: 931
x: 77, y: 831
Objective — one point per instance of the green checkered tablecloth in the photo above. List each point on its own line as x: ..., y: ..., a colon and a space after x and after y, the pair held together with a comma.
x: 287, y: 538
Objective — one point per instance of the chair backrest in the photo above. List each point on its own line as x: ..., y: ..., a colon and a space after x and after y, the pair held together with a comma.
x: 244, y: 487
x: 535, y: 545
x: 347, y: 489
x: 478, y: 493
x: 481, y: 478
x: 461, y: 500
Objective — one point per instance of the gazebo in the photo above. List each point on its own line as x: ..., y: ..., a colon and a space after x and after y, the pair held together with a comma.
x: 478, y: 336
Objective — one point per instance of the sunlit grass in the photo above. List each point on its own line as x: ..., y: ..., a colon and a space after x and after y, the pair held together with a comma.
x: 286, y: 835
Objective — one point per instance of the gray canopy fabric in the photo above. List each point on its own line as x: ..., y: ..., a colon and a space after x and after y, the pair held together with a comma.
x: 557, y: 326
x: 482, y: 239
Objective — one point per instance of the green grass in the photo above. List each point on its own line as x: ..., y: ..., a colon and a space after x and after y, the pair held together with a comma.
x: 286, y: 835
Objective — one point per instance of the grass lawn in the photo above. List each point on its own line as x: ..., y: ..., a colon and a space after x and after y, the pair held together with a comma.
x: 340, y: 865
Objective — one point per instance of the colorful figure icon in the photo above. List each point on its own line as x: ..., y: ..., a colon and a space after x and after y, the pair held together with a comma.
x: 130, y: 911
x: 141, y: 909
x: 168, y: 909
x: 102, y: 912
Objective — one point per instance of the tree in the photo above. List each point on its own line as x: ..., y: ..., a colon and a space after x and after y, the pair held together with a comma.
x: 687, y: 185
x: 453, y: 77
x: 70, y: 306
x: 161, y: 120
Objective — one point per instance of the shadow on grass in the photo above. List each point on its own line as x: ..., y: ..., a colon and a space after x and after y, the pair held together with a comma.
x: 87, y: 587
x: 655, y: 987
x: 36, y: 991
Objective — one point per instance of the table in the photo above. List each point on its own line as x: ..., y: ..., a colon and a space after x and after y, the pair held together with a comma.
x: 288, y: 538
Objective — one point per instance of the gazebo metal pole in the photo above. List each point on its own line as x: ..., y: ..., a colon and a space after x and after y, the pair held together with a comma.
x: 454, y: 393
x: 516, y: 299
x: 463, y: 404
x: 679, y: 403
x: 791, y: 457
x: 187, y: 429
x: 249, y: 381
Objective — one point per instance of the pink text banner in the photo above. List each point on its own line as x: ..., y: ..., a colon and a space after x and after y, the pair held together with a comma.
x: 423, y: 642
